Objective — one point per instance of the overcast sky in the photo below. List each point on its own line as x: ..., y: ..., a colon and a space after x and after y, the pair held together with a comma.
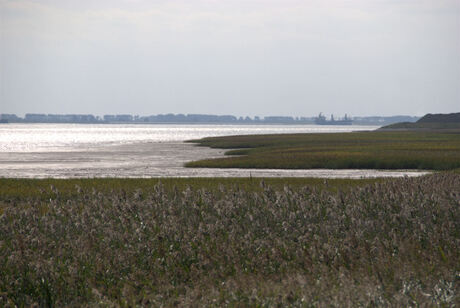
x: 240, y: 57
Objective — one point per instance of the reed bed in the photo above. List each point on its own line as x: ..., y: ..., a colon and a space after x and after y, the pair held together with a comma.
x: 390, y: 243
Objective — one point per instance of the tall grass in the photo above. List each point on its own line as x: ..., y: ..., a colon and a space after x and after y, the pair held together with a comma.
x: 389, y: 243
x: 19, y: 189
x: 360, y: 150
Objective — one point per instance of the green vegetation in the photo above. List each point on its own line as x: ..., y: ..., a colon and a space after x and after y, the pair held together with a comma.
x: 229, y: 242
x: 18, y: 189
x: 443, y: 122
x: 358, y: 150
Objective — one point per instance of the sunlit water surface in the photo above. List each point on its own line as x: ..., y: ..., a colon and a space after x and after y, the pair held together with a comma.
x: 101, y: 150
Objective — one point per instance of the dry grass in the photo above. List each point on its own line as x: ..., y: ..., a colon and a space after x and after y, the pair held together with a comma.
x: 390, y: 243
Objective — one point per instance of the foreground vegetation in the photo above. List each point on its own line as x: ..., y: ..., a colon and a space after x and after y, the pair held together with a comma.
x: 391, y: 242
x: 358, y: 150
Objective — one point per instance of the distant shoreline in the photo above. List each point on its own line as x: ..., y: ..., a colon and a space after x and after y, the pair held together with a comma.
x: 190, y: 123
x: 192, y: 119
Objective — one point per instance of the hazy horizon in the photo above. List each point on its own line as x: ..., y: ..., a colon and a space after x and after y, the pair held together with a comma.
x: 261, y: 115
x: 242, y: 58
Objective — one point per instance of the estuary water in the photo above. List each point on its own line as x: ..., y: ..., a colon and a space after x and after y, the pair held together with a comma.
x: 134, y: 150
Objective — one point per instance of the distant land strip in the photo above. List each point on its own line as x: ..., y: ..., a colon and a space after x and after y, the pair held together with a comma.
x: 189, y: 119
x: 450, y: 121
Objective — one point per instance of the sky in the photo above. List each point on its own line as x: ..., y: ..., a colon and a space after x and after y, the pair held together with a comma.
x: 238, y: 57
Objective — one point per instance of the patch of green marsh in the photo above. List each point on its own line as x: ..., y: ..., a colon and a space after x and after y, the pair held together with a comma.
x: 358, y: 150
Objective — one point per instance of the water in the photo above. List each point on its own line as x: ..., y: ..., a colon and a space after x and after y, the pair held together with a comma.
x: 81, y: 150
x: 68, y: 137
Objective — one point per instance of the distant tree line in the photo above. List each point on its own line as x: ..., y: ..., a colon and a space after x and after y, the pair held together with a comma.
x: 186, y: 118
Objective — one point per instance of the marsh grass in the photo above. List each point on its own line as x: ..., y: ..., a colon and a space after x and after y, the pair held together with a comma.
x: 386, y: 243
x: 359, y: 150
x: 20, y: 189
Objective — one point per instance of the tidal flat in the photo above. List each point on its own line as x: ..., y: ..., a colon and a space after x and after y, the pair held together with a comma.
x: 230, y: 242
x: 140, y: 151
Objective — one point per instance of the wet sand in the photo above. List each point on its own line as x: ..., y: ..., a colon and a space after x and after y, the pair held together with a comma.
x: 149, y: 160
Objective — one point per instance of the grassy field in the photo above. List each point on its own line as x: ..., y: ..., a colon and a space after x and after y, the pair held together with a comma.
x: 358, y: 150
x: 230, y: 242
x: 18, y: 189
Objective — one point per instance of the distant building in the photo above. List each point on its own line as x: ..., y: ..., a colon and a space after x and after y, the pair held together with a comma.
x: 36, y: 118
x: 321, y: 120
x: 59, y: 118
x: 279, y: 119
x: 377, y: 120
x: 9, y: 118
x: 118, y: 118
